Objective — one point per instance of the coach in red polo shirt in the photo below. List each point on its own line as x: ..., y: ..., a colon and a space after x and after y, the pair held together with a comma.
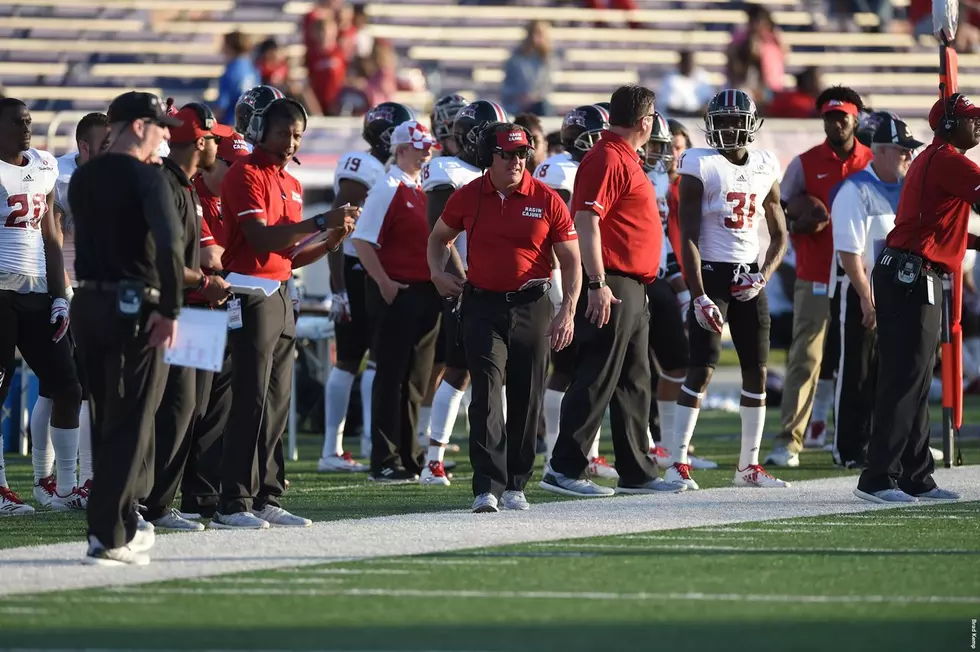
x: 513, y: 223
x: 262, y: 215
x: 403, y: 305
x: 815, y: 350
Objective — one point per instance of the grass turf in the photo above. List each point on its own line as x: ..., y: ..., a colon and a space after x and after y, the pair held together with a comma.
x: 873, y: 581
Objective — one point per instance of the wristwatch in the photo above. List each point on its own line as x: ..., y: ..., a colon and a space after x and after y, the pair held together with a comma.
x: 597, y: 282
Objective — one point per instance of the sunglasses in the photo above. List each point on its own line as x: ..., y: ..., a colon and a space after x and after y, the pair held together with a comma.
x: 521, y: 153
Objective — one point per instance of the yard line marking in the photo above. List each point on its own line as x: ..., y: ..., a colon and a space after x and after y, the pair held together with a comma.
x: 568, y: 595
x: 22, y: 611
x: 438, y: 561
x: 278, y: 581
x: 753, y: 550
x: 669, y: 537
x: 765, y: 530
x: 214, y: 552
x: 347, y: 571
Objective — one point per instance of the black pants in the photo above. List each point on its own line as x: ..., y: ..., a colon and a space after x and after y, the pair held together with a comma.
x: 126, y: 380
x: 261, y: 378
x: 614, y: 370
x: 908, y: 336
x: 202, y: 473
x: 668, y: 348
x: 505, y: 341
x: 832, y: 341
x: 856, y: 380
x: 171, y: 442
x: 354, y: 336
x: 404, y: 346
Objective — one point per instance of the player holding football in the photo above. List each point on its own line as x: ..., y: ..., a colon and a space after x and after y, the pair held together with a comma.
x: 356, y: 173
x: 723, y: 187
x: 33, y: 304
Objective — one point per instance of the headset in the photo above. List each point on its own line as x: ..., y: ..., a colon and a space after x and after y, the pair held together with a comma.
x: 949, y: 120
x: 487, y: 142
x: 205, y: 116
x: 257, y: 123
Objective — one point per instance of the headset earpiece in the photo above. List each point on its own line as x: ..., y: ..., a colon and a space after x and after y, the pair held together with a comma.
x: 257, y: 123
x: 487, y: 142
x: 949, y: 122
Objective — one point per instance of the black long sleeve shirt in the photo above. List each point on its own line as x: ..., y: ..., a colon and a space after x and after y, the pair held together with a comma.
x: 126, y: 227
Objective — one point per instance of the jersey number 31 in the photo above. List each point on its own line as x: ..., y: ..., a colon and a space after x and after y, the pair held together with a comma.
x: 742, y: 211
x: 26, y: 210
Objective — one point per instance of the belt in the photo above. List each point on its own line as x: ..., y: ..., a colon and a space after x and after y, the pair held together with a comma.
x: 632, y: 277
x: 889, y: 258
x: 150, y: 294
x: 518, y: 298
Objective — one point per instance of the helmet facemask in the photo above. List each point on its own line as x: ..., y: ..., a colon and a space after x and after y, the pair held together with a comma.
x: 585, y: 140
x: 658, y: 152
x: 730, y: 129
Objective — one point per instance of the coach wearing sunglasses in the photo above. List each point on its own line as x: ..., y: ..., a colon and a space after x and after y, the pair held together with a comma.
x: 513, y: 222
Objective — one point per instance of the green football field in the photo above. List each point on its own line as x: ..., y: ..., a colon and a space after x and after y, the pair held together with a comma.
x: 899, y: 579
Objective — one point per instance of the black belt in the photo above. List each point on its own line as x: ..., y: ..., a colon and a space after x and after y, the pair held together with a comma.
x: 889, y: 258
x: 150, y: 294
x: 517, y: 298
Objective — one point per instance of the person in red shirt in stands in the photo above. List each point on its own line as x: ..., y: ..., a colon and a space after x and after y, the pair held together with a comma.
x: 816, y: 328
x: 927, y: 244
x: 799, y: 102
x: 326, y: 64
x: 403, y: 305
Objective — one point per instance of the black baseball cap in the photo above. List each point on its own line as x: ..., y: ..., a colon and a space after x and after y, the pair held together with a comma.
x: 135, y: 105
x: 892, y: 131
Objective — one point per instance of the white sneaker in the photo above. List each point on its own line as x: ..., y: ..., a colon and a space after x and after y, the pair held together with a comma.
x: 886, y: 496
x: 44, y: 491
x: 938, y: 494
x: 652, y: 486
x: 781, y: 456
x: 515, y: 500
x: 815, y: 435
x: 279, y: 517
x: 174, y: 521
x: 756, y: 476
x: 142, y: 523
x: 680, y: 474
x: 74, y: 500
x: 344, y: 463
x: 142, y: 541
x: 661, y: 457
x: 12, y: 505
x: 237, y: 521
x: 600, y: 468
x: 701, y: 463
x: 485, y: 504
x: 434, y: 473
x: 937, y: 454
x: 99, y: 555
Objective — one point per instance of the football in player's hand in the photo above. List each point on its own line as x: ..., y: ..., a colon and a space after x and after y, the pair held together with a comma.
x: 809, y: 210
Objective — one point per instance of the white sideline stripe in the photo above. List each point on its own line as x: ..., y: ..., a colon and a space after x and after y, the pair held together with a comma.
x: 772, y: 530
x: 568, y: 595
x: 883, y: 517
x: 217, y: 552
x: 275, y: 581
x: 94, y: 649
x: 22, y: 611
x: 670, y: 537
x: 348, y: 571
x: 445, y: 562
x: 739, y: 549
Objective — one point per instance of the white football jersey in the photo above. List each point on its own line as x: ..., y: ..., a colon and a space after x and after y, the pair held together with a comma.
x: 449, y: 171
x: 731, y: 206
x: 557, y: 172
x: 66, y: 168
x: 661, y: 186
x: 363, y: 168
x: 22, y: 205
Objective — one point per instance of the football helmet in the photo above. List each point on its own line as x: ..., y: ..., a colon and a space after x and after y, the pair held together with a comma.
x: 731, y: 120
x: 660, y: 147
x: 868, y: 122
x: 379, y: 122
x: 581, y: 128
x: 254, y: 101
x: 603, y: 105
x: 444, y: 112
x: 470, y: 121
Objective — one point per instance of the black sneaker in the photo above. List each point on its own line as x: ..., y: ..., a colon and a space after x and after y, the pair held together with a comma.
x: 393, y: 475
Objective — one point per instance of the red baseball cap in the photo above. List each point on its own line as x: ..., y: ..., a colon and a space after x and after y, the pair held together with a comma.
x: 232, y: 148
x: 198, y: 122
x: 960, y: 107
x: 512, y: 140
x: 838, y: 105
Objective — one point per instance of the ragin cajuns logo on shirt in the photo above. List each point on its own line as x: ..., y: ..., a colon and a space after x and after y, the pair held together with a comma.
x: 534, y: 212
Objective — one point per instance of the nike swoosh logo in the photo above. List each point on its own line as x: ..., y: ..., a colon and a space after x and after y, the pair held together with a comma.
x: 821, y: 176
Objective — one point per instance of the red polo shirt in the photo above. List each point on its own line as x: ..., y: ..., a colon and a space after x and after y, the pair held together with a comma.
x: 611, y: 182
x: 512, y: 242
x: 393, y: 219
x: 934, y: 209
x: 674, y: 219
x: 211, y: 224
x: 256, y: 188
x: 822, y: 170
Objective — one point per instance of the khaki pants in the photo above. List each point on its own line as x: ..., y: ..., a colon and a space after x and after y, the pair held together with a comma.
x: 811, y: 313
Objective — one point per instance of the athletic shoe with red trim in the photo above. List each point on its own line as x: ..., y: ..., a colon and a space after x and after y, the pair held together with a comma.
x: 44, y: 491
x: 434, y: 473
x: 756, y: 476
x: 600, y: 468
x: 12, y: 505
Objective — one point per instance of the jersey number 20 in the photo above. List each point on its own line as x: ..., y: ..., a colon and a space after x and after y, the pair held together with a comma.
x: 743, y: 211
x: 26, y: 210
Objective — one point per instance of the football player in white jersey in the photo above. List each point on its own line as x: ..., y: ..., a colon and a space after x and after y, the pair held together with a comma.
x: 580, y: 129
x: 441, y: 177
x: 91, y: 137
x: 356, y: 173
x: 725, y: 190
x: 33, y: 304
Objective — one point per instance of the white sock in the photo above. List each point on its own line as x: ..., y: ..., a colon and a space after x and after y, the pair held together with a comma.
x: 685, y: 419
x: 3, y: 469
x: 65, y: 442
x: 42, y: 454
x: 503, y: 400
x: 336, y: 397
x: 753, y: 421
x: 667, y: 411
x: 594, y: 451
x: 367, y: 386
x: 650, y: 444
x: 552, y: 418
x: 823, y: 401
x: 445, y: 409
x: 84, y: 443
x: 425, y: 420
x: 436, y: 453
